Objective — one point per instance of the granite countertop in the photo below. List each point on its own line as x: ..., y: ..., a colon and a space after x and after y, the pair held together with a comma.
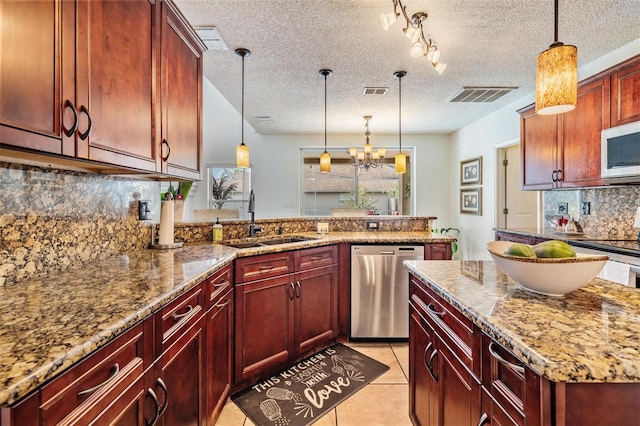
x: 49, y: 323
x: 588, y: 335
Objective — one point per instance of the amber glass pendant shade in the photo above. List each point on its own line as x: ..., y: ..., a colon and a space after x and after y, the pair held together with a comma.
x: 325, y: 162
x: 557, y: 79
x: 242, y: 156
x: 401, y: 163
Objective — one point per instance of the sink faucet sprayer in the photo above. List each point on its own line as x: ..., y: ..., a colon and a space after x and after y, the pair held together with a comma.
x: 252, y: 209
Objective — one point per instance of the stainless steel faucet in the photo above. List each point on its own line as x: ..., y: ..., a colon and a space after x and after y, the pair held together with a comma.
x: 252, y: 209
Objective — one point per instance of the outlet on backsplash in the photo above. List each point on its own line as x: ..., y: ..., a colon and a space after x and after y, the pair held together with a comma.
x: 586, y: 207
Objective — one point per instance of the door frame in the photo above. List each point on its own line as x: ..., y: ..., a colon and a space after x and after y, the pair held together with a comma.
x: 500, y: 185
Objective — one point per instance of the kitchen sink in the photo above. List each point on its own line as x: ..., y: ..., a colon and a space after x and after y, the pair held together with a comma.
x: 268, y: 242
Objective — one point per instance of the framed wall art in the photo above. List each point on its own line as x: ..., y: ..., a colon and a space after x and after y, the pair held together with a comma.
x: 471, y: 201
x: 471, y: 171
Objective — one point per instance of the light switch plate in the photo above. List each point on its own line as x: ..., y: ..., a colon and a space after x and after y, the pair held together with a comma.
x: 373, y: 225
x: 144, y: 210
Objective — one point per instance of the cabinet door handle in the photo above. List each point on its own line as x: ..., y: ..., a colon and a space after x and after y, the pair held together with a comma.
x: 298, y: 290
x: 165, y: 143
x: 434, y: 310
x: 559, y: 176
x: 293, y: 291
x: 554, y: 176
x: 503, y: 361
x: 265, y: 267
x: 431, y: 358
x: 73, y: 128
x: 222, y: 284
x: 154, y: 397
x: 315, y: 258
x: 162, y: 385
x: 184, y: 314
x: 223, y: 304
x: 424, y: 356
x: 484, y: 419
x: 114, y: 372
x: 85, y: 135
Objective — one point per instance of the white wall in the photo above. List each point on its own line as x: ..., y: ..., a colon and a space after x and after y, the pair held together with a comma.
x: 275, y: 161
x: 481, y: 138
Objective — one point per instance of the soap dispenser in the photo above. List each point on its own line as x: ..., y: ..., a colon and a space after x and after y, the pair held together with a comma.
x: 217, y: 231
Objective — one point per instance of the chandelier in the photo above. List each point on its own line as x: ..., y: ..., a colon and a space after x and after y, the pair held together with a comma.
x: 367, y: 158
x: 420, y: 45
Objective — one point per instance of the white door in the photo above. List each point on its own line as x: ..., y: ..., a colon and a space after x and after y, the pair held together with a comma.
x: 516, y: 208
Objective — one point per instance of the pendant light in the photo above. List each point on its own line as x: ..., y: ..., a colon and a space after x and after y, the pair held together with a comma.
x: 325, y: 158
x: 557, y: 76
x: 401, y: 159
x: 242, y: 150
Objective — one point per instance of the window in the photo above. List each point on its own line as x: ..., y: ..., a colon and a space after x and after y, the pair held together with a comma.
x: 377, y: 190
x: 228, y: 189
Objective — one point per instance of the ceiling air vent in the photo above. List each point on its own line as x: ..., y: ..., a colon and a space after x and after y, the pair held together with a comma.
x: 481, y: 94
x: 375, y: 90
x: 264, y: 119
x: 211, y: 38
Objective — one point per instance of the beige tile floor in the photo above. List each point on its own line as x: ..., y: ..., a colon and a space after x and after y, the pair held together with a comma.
x: 384, y: 402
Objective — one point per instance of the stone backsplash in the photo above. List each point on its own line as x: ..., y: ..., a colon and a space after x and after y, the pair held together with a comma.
x: 612, y: 210
x: 52, y: 219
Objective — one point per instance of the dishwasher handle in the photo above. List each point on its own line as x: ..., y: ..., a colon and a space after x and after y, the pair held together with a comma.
x: 388, y: 252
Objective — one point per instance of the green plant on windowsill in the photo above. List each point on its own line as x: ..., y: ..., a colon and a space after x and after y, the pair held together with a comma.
x: 222, y: 190
x: 449, y: 232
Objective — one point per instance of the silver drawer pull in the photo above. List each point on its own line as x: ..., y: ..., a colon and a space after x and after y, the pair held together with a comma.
x: 184, y: 314
x: 484, y: 419
x: 222, y: 284
x: 434, y: 310
x: 314, y: 258
x: 115, y: 370
x: 156, y: 414
x: 265, y: 268
x: 508, y: 364
x: 223, y: 304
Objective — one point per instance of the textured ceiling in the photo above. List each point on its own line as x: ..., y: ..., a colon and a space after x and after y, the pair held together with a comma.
x: 483, y: 43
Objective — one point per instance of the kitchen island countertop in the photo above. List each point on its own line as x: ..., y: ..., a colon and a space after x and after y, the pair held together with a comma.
x: 588, y: 335
x: 49, y: 323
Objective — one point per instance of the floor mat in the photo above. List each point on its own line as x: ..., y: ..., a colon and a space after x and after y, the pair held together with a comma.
x: 300, y: 395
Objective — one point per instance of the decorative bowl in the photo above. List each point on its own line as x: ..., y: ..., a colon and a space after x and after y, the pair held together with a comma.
x: 549, y: 276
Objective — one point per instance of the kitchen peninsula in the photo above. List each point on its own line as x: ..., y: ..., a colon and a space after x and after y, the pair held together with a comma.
x: 520, y: 357
x: 148, y: 304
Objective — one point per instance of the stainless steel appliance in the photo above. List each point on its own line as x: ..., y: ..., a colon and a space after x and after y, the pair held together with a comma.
x: 380, y: 290
x: 621, y: 268
x: 620, y: 153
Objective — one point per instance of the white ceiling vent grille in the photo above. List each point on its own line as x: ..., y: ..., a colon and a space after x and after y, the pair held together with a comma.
x: 375, y: 90
x: 481, y: 94
x: 211, y: 38
x: 264, y: 119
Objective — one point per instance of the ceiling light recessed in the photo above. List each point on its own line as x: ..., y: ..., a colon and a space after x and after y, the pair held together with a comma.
x: 375, y: 90
x: 480, y: 94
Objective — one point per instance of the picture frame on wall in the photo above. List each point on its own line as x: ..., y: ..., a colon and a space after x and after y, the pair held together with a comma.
x: 471, y: 201
x: 471, y: 171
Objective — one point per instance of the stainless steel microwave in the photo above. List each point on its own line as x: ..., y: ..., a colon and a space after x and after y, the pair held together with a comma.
x: 620, y: 153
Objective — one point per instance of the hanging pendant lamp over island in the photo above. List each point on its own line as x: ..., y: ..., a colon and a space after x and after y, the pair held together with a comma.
x: 557, y: 76
x: 400, y: 159
x: 242, y: 150
x: 325, y: 158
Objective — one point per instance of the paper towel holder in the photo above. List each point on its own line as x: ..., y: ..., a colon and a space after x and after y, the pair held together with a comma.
x: 156, y: 246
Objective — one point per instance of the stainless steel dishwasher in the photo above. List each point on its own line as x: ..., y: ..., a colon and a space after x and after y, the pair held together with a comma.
x: 380, y: 290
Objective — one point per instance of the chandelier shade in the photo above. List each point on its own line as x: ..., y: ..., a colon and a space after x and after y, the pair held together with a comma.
x: 557, y: 76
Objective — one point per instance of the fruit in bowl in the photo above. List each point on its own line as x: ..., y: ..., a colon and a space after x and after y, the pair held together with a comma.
x: 555, y: 268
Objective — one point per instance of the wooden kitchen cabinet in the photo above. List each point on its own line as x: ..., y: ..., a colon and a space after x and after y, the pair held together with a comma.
x: 220, y: 315
x: 563, y: 151
x: 423, y: 388
x: 125, y: 97
x: 114, y: 82
x: 625, y: 93
x: 281, y: 317
x: 31, y: 85
x: 180, y: 368
x: 437, y: 251
x: 180, y: 95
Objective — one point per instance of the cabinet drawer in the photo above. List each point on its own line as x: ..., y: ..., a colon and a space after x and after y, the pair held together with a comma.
x: 265, y: 266
x: 455, y: 330
x: 316, y: 257
x: 91, y: 384
x: 504, y: 375
x: 218, y: 284
x: 176, y: 317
